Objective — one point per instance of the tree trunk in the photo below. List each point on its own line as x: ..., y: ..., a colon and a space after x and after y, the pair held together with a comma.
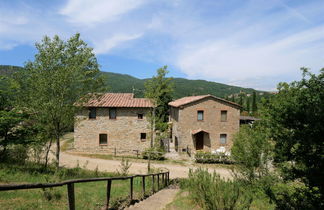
x: 57, y: 151
x: 47, y: 152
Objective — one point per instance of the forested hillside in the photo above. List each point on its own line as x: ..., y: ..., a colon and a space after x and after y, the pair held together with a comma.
x: 183, y: 87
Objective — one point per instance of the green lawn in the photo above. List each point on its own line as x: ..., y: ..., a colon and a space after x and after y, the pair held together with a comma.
x: 90, y: 195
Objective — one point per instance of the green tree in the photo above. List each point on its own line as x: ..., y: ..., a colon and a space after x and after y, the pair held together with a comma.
x: 248, y: 104
x: 15, y: 127
x: 254, y: 103
x: 61, y: 74
x: 160, y: 90
x: 252, y: 151
x: 295, y: 119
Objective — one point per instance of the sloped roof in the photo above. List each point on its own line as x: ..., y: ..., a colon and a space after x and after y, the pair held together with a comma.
x: 118, y: 100
x: 190, y: 99
x: 249, y: 118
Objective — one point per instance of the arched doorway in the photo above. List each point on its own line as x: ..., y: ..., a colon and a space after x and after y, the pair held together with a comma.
x: 200, y: 139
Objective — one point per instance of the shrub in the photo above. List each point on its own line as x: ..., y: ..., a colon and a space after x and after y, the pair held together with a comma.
x: 155, y: 152
x: 124, y: 167
x: 211, y: 192
x: 296, y: 195
x: 15, y: 154
x: 207, y: 157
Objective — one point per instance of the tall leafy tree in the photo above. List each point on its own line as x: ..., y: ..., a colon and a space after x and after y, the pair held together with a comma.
x: 62, y: 73
x: 160, y: 90
x: 295, y: 119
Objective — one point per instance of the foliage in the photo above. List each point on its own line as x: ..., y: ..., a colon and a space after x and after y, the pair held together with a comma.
x: 209, y: 191
x: 295, y: 195
x: 62, y: 73
x: 124, y: 167
x: 295, y: 119
x: 155, y: 153
x: 15, y: 128
x: 252, y: 151
x: 208, y: 157
x: 159, y: 90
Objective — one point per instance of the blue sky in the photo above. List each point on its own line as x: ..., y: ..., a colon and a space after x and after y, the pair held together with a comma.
x: 249, y: 43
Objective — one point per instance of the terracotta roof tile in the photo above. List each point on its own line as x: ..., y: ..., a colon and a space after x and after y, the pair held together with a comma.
x: 189, y: 99
x: 118, y: 100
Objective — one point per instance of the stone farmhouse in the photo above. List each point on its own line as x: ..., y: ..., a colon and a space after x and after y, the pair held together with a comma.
x: 118, y: 122
x: 113, y: 122
x: 203, y: 123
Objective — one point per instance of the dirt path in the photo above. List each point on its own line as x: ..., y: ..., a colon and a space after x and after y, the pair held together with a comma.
x: 158, y: 201
x: 176, y: 171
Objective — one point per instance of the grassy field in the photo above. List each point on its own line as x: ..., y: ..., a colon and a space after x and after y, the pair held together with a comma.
x: 87, y: 195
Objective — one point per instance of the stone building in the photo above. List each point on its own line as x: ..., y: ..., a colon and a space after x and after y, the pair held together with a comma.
x: 113, y: 122
x: 203, y: 123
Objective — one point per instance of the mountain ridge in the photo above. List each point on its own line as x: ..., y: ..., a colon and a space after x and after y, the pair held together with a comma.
x: 117, y: 82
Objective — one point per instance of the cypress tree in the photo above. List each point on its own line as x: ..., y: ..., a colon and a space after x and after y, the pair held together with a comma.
x: 254, y: 104
x: 248, y: 104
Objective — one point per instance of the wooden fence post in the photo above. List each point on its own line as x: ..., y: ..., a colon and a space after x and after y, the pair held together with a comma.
x: 152, y: 183
x: 158, y: 181
x: 163, y: 181
x: 131, y: 188
x: 143, y: 186
x: 71, y: 199
x: 108, y: 193
x: 168, y: 179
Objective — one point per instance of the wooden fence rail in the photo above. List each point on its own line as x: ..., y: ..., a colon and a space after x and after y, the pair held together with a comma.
x: 70, y: 185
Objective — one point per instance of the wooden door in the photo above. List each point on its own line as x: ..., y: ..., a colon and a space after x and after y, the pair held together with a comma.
x: 200, y: 141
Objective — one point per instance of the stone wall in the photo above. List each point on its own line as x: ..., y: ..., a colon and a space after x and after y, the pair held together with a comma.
x: 187, y: 123
x: 124, y: 132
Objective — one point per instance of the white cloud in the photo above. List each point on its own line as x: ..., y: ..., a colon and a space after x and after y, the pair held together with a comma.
x: 228, y: 60
x: 108, y: 44
x: 88, y: 12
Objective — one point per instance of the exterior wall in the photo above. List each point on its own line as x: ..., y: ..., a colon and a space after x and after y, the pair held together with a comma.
x: 187, y: 123
x: 123, y: 132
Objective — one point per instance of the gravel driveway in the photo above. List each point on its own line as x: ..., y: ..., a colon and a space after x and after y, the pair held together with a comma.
x: 176, y: 171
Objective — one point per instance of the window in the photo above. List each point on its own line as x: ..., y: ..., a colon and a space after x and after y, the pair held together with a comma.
x: 140, y: 116
x: 92, y: 113
x: 103, y: 139
x: 112, y: 113
x: 200, y: 115
x: 223, y: 116
x: 223, y: 138
x: 143, y: 136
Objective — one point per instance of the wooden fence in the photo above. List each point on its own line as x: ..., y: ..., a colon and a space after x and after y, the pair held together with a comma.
x: 165, y: 180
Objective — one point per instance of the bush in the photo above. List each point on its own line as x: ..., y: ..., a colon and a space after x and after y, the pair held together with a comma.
x: 209, y: 191
x: 156, y: 153
x: 124, y: 167
x: 17, y: 154
x: 207, y: 157
x: 295, y: 195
